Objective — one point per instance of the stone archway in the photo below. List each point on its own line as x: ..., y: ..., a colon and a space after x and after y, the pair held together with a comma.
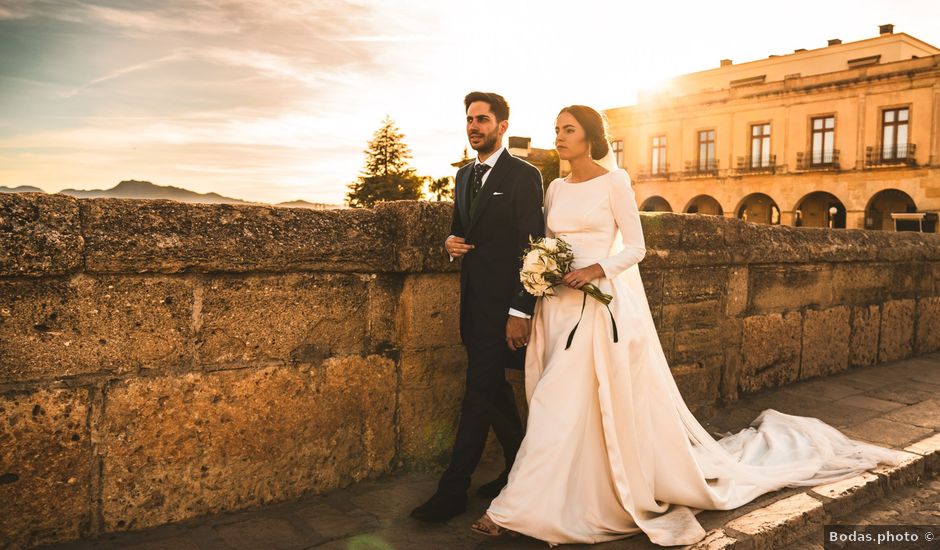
x: 819, y: 209
x: 655, y: 204
x: 704, y: 204
x: 758, y: 208
x: 882, y: 204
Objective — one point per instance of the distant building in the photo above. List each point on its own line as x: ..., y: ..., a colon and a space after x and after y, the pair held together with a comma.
x: 842, y: 136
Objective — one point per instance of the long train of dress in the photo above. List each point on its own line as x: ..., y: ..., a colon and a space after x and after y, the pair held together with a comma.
x: 611, y: 449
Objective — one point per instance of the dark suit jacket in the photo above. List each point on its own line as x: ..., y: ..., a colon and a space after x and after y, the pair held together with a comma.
x: 508, y: 211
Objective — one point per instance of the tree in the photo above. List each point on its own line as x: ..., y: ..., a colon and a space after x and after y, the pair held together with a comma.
x: 550, y: 169
x: 442, y: 188
x: 386, y: 175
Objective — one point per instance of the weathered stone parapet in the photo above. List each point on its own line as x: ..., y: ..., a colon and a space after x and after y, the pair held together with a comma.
x: 44, y: 235
x: 160, y: 360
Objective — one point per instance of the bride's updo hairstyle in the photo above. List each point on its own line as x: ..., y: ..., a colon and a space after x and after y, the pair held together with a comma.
x: 595, y: 128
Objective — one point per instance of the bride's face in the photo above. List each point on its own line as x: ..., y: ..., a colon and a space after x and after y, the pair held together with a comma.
x: 570, y: 139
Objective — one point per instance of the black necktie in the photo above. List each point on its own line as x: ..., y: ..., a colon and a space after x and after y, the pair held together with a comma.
x: 477, y: 184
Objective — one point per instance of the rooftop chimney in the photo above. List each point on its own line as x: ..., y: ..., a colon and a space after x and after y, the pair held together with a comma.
x: 886, y: 29
x: 834, y: 41
x: 725, y: 62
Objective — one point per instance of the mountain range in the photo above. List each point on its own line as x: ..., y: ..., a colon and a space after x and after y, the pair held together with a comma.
x: 134, y: 189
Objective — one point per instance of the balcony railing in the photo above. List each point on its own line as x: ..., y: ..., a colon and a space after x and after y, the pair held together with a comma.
x: 766, y: 166
x: 902, y: 155
x: 644, y: 173
x: 827, y: 160
x: 701, y: 169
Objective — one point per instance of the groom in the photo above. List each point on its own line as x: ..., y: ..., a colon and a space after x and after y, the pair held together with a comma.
x: 497, y: 207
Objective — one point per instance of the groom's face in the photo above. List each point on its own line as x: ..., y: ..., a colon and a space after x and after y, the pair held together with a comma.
x: 483, y: 130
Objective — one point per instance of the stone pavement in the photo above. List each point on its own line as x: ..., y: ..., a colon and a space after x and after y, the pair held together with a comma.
x: 893, y: 404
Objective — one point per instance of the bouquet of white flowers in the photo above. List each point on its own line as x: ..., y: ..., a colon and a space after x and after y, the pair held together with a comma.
x: 544, y: 265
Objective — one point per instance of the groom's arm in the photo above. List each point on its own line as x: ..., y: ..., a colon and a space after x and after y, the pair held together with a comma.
x: 529, y: 222
x: 456, y: 225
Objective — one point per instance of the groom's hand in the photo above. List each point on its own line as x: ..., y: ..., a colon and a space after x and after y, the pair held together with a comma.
x: 517, y: 332
x: 456, y: 246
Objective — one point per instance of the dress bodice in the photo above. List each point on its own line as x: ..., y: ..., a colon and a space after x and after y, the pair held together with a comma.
x: 588, y: 215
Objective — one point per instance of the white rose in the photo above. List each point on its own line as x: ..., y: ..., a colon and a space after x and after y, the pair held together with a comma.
x: 531, y: 259
x: 550, y: 265
x: 550, y: 244
x: 536, y: 267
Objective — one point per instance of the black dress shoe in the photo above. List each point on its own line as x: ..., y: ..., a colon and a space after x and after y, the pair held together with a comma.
x: 440, y: 508
x: 492, y: 489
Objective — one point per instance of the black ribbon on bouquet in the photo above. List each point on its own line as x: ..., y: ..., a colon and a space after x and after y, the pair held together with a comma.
x: 583, y: 303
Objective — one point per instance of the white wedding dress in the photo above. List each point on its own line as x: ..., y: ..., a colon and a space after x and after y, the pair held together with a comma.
x: 610, y: 447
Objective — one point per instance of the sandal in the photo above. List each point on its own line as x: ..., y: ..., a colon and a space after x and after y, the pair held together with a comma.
x: 486, y: 526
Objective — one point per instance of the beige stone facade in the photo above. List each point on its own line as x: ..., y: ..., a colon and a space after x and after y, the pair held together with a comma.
x: 842, y: 136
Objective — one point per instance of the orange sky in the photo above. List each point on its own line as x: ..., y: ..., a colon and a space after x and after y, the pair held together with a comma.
x: 275, y: 100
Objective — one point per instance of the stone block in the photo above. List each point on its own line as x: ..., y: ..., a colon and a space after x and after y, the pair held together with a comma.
x: 770, y: 351
x: 39, y: 235
x: 925, y: 414
x: 780, y: 523
x: 433, y: 383
x: 737, y: 296
x: 825, y: 342
x: 178, y: 447
x: 653, y: 284
x: 331, y: 522
x: 694, y: 284
x: 695, y: 345
x: 698, y: 382
x: 263, y: 532
x: 928, y: 326
x: 863, y: 340
x: 133, y: 235
x: 897, y: 330
x: 430, y: 311
x: 383, y: 322
x: 906, y: 473
x: 865, y: 283
x: 279, y: 319
x: 716, y: 539
x: 933, y: 270
x: 691, y: 315
x: 419, y: 229
x: 53, y: 328
x: 929, y: 448
x: 848, y: 494
x: 46, y: 467
x: 789, y: 287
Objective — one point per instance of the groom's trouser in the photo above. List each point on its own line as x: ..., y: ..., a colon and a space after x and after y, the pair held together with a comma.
x: 488, y: 401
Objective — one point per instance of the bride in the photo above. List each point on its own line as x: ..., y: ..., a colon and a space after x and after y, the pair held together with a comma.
x: 610, y: 448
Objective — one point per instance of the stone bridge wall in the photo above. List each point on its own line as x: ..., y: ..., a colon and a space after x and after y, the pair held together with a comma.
x: 160, y: 361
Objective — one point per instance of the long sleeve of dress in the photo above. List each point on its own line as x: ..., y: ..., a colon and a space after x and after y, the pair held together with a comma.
x: 627, y: 216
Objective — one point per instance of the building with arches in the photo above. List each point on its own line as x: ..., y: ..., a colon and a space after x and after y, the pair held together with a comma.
x: 843, y: 136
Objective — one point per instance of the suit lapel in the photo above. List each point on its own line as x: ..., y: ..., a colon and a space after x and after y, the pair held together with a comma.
x: 493, y: 183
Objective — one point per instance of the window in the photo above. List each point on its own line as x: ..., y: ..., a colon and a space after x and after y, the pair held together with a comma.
x: 618, y: 152
x: 760, y: 145
x: 706, y: 150
x: 821, y: 146
x: 894, y: 133
x: 659, y: 155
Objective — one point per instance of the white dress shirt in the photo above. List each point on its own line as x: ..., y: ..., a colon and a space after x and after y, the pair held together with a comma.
x: 491, y: 161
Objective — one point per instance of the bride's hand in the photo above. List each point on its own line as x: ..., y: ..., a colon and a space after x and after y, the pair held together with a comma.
x: 580, y: 277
